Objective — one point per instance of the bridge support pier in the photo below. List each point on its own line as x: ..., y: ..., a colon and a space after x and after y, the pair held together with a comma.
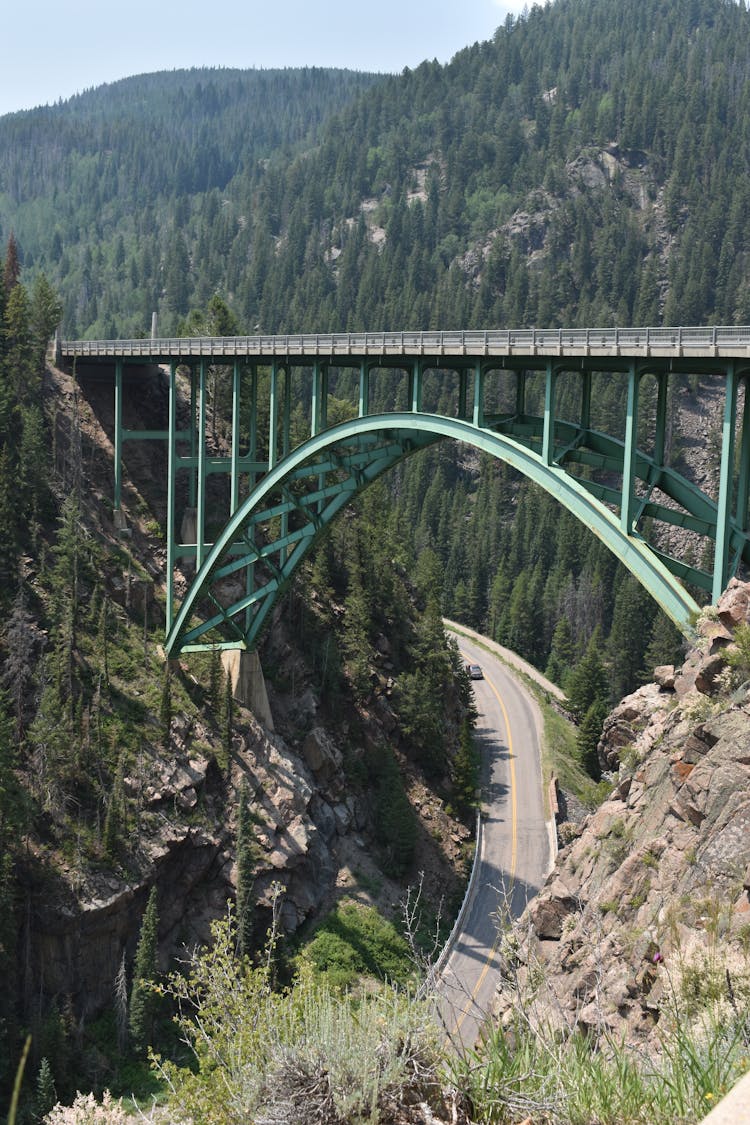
x: 248, y: 683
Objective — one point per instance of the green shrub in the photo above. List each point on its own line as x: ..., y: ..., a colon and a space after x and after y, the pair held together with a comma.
x: 308, y: 1053
x: 356, y: 939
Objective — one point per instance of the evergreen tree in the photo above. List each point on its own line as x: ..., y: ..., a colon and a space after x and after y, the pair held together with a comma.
x: 144, y: 1004
x: 466, y: 770
x: 394, y: 816
x: 587, y: 740
x: 561, y: 653
x: 23, y: 642
x: 628, y: 638
x: 246, y: 860
x: 46, y: 1094
x: 12, y: 266
x: 45, y: 314
x: 587, y: 683
x: 8, y: 937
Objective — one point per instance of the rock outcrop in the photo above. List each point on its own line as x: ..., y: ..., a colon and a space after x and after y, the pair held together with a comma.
x: 656, y: 887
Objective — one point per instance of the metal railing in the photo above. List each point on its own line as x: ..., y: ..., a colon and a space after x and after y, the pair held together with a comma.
x: 725, y: 341
x: 436, y: 971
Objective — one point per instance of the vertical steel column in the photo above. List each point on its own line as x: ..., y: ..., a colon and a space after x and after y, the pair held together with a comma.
x: 254, y: 474
x: 273, y: 416
x: 200, y: 519
x: 548, y: 428
x: 193, y: 443
x: 286, y: 422
x: 323, y: 409
x: 285, y: 442
x: 743, y: 481
x: 416, y: 387
x: 478, y: 411
x: 724, y: 502
x: 629, y: 451
x: 585, y: 400
x: 252, y: 451
x: 315, y: 401
x: 364, y: 389
x: 118, y: 434
x: 171, y: 478
x: 660, y: 437
x: 234, y: 498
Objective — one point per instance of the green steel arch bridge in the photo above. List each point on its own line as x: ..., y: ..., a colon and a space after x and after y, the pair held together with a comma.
x: 523, y: 396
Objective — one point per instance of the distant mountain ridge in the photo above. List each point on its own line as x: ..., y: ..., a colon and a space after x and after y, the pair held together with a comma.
x: 587, y: 166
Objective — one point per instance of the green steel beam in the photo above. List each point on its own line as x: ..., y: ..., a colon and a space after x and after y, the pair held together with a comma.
x: 286, y: 415
x: 317, y: 393
x: 630, y: 452
x: 743, y: 479
x: 252, y: 450
x: 304, y: 489
x: 416, y: 386
x: 478, y: 410
x: 323, y: 407
x: 412, y: 431
x: 548, y: 428
x: 234, y: 488
x: 724, y: 505
x: 193, y: 438
x: 171, y: 492
x: 273, y: 416
x: 200, y: 515
x: 364, y: 389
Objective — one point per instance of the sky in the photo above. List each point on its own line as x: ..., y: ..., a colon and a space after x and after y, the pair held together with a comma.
x: 53, y: 50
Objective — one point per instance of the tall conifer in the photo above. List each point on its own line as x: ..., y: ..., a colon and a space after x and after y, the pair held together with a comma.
x: 143, y: 998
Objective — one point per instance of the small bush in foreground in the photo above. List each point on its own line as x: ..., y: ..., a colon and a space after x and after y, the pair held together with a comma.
x: 85, y: 1110
x: 304, y: 1054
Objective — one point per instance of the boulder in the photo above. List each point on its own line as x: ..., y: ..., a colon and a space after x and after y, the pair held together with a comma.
x: 550, y: 909
x: 321, y: 754
x: 734, y: 604
x: 324, y: 818
x: 664, y: 676
x: 708, y: 670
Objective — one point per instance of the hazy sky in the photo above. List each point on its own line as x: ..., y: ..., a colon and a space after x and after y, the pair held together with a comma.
x: 52, y: 50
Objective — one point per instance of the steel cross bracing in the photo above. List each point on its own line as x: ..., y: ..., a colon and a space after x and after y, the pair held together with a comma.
x: 283, y: 491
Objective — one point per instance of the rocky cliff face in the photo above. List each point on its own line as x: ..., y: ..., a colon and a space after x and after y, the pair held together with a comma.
x: 314, y: 828
x: 651, y: 899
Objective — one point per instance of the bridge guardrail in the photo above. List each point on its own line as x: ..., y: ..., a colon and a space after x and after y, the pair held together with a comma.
x: 436, y: 970
x: 699, y: 341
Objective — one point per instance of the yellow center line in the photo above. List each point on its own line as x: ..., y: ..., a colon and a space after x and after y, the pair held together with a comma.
x: 513, y: 847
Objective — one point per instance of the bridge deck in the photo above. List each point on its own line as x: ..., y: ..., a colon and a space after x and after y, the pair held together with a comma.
x: 574, y: 343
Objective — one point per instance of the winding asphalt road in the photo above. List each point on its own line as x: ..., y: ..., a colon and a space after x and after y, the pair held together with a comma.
x: 515, y: 849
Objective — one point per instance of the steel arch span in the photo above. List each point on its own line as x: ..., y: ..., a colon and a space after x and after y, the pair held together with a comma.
x: 256, y: 554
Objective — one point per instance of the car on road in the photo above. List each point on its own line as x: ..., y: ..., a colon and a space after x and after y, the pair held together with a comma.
x: 475, y: 672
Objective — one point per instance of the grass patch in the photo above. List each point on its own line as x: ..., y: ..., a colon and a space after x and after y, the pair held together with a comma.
x: 356, y: 940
